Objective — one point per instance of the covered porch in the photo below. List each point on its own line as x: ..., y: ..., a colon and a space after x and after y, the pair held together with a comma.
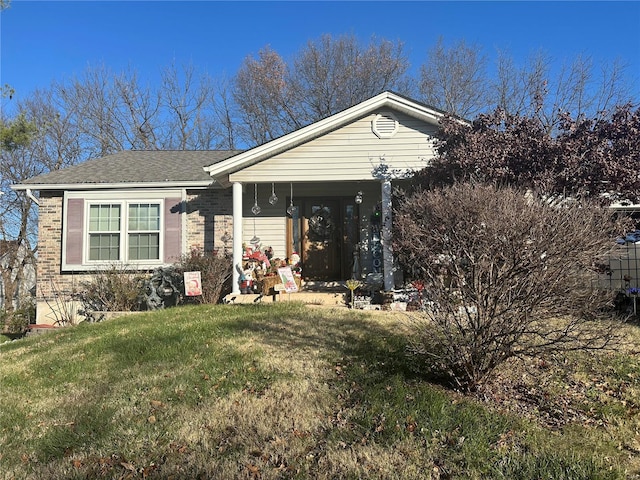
x: 327, y: 232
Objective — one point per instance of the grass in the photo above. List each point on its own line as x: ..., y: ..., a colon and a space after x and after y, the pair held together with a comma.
x: 287, y: 391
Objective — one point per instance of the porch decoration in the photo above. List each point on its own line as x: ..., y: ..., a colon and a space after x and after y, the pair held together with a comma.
x: 290, y: 209
x: 268, y: 277
x: 352, y: 284
x: 256, y: 208
x: 321, y: 223
x: 254, y: 265
x: 273, y: 199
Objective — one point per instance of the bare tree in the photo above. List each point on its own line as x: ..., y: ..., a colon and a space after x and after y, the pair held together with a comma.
x: 325, y: 77
x: 577, y: 88
x: 332, y: 74
x: 189, y: 104
x: 454, y: 79
x: 263, y: 96
x: 15, y: 208
x: 226, y: 115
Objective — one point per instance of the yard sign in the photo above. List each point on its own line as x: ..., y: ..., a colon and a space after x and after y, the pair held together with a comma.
x: 286, y: 275
x: 192, y: 284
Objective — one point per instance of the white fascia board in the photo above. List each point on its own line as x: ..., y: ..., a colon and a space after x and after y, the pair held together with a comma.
x: 290, y: 140
x: 112, y: 186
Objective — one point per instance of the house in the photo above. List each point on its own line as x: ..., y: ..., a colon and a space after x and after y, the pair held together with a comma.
x: 323, y: 192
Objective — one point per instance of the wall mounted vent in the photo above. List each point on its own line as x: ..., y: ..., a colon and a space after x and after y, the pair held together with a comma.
x: 384, y: 125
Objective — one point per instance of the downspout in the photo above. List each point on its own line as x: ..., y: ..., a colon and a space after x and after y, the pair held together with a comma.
x: 32, y: 197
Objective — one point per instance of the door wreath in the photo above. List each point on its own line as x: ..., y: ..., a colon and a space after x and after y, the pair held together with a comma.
x: 321, y: 224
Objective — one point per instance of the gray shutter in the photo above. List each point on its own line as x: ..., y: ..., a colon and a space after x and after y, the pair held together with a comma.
x: 75, y: 219
x: 172, y: 229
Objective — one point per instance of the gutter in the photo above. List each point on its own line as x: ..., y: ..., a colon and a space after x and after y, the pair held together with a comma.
x: 111, y: 186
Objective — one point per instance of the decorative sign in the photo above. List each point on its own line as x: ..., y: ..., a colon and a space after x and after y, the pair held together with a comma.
x: 286, y: 275
x: 192, y: 284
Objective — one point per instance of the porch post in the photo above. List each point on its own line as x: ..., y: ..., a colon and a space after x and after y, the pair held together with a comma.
x: 237, y: 237
x: 387, y: 222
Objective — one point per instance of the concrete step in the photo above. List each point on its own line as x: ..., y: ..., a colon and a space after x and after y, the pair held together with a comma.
x: 310, y: 298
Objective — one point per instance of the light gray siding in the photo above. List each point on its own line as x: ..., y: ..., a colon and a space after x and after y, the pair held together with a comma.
x: 348, y: 154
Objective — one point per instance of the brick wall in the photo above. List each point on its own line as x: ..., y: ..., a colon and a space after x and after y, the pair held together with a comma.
x: 51, y: 282
x: 210, y: 219
x: 209, y: 223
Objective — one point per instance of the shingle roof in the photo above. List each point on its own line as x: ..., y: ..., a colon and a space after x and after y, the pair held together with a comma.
x: 138, y: 167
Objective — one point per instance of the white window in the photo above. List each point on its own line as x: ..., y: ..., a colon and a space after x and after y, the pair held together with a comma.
x: 144, y: 231
x: 124, y: 232
x: 104, y: 232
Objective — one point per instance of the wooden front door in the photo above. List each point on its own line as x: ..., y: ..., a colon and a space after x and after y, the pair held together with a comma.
x: 321, y: 239
x: 324, y: 231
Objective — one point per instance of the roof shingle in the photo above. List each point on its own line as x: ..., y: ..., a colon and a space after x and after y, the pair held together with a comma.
x: 137, y: 166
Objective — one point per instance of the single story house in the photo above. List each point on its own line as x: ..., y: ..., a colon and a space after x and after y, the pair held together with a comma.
x: 323, y: 192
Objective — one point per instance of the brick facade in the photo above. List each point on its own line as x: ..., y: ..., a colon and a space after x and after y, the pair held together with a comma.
x: 209, y: 222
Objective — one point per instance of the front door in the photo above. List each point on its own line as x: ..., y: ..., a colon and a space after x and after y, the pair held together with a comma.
x: 324, y: 231
x: 321, y: 239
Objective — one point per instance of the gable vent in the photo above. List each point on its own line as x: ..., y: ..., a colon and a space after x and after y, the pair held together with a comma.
x: 384, y: 125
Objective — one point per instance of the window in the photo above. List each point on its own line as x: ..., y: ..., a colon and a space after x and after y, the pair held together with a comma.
x: 104, y: 232
x: 144, y: 231
x: 128, y: 232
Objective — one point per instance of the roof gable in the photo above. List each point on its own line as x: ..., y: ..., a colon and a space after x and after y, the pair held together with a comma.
x: 384, y: 100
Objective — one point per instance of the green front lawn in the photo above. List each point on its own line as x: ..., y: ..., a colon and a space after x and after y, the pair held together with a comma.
x: 292, y: 391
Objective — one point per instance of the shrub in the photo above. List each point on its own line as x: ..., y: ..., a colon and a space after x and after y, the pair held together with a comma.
x: 497, y: 265
x: 17, y: 321
x: 215, y: 271
x: 117, y: 288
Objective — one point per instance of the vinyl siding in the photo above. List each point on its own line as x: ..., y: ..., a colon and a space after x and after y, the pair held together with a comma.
x: 348, y: 154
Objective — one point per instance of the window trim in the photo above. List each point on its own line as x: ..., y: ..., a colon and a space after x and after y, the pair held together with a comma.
x: 123, y: 254
x: 124, y: 198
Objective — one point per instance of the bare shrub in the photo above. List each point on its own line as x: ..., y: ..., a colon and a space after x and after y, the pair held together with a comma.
x: 117, y: 288
x: 215, y: 272
x: 506, y: 275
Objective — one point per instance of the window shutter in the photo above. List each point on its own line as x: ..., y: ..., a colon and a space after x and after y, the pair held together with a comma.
x: 75, y: 218
x: 172, y: 229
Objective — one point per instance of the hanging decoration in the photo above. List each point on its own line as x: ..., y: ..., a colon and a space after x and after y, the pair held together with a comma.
x: 290, y: 209
x: 273, y: 199
x: 256, y: 208
x: 321, y: 224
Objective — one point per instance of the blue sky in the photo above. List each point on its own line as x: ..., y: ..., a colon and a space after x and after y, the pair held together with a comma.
x: 43, y: 41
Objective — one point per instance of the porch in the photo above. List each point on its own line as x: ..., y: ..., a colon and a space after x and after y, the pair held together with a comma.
x: 327, y: 233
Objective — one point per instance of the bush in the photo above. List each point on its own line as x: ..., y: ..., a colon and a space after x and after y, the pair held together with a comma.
x: 497, y: 266
x: 115, y: 289
x: 215, y: 271
x: 17, y: 321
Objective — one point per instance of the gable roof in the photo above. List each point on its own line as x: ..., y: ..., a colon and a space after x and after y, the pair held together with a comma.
x: 131, y: 168
x: 390, y: 100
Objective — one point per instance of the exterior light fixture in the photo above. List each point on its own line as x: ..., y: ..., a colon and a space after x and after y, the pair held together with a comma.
x: 358, y: 198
